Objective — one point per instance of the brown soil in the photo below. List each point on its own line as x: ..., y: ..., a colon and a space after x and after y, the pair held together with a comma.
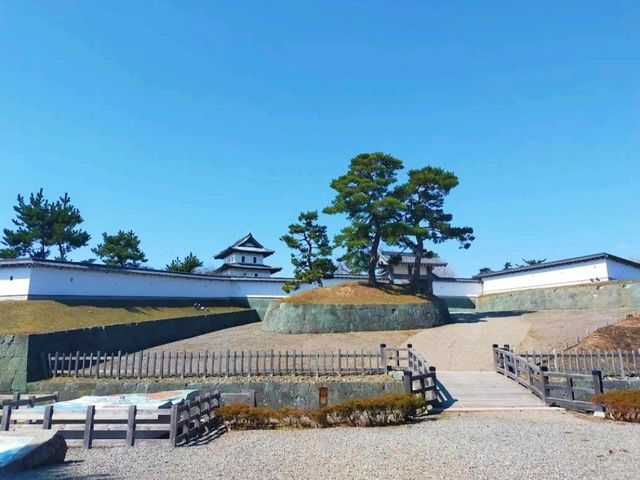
x: 357, y: 294
x: 624, y: 335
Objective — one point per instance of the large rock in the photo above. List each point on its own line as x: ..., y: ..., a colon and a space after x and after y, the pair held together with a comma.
x: 286, y: 317
x: 30, y: 449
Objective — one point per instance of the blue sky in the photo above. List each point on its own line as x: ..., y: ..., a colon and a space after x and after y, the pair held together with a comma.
x: 193, y: 123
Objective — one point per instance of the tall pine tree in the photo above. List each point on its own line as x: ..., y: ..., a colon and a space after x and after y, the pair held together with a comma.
x: 42, y: 224
x: 366, y: 196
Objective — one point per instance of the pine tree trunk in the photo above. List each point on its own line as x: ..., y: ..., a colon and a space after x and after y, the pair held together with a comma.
x: 417, y: 261
x: 429, y: 281
x: 373, y: 260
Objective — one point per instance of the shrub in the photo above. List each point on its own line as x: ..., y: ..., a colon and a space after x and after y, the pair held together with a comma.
x: 245, y: 417
x: 620, y: 405
x: 390, y: 409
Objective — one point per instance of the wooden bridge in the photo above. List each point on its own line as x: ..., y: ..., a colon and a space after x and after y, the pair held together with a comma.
x: 483, y: 391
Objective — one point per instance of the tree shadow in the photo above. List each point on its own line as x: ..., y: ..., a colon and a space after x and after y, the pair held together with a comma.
x: 475, y: 317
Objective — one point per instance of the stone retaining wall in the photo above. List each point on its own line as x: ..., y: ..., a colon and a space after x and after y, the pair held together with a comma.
x: 619, y: 294
x: 286, y: 317
x: 21, y: 355
x: 290, y: 392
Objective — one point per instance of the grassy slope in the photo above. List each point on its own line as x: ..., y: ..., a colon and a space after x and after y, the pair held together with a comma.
x: 39, y: 316
x: 357, y: 294
x: 624, y: 335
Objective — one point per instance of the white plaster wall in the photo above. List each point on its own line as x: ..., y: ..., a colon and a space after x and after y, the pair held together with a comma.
x: 457, y: 289
x: 620, y: 271
x: 14, y: 283
x: 404, y: 269
x: 548, y: 277
x: 78, y: 282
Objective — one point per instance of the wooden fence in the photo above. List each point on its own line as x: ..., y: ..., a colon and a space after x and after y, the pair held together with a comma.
x: 213, y: 364
x: 620, y: 363
x: 183, y: 423
x: 572, y: 391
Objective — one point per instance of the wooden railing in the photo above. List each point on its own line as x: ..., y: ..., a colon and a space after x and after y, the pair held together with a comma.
x: 184, y: 422
x: 620, y: 363
x: 214, y: 364
x: 572, y: 391
x: 419, y: 376
x: 17, y: 400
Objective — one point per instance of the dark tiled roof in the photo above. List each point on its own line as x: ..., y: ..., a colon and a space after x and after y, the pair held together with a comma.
x: 246, y: 266
x: 559, y: 263
x: 409, y: 258
x: 246, y: 244
x: 33, y: 263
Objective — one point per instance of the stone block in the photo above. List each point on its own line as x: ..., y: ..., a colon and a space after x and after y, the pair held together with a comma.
x: 26, y: 450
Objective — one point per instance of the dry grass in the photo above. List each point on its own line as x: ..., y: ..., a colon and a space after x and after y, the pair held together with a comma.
x: 624, y: 335
x: 357, y: 294
x: 40, y: 316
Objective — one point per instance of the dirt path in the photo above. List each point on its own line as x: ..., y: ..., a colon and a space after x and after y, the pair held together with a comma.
x: 251, y: 337
x: 466, y: 344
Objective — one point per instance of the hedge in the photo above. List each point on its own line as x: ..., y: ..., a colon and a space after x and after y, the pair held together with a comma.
x: 390, y: 409
x: 620, y: 405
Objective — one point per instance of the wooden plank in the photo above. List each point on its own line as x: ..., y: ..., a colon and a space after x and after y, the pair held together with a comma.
x: 87, y: 439
x: 6, y: 418
x: 131, y: 425
x: 271, y: 364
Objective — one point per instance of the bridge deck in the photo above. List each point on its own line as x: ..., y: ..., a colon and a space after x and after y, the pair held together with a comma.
x: 469, y: 391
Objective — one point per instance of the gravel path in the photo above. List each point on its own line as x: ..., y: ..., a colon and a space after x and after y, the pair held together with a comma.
x: 525, y: 445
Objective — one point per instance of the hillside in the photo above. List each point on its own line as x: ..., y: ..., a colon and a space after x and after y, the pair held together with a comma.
x: 40, y: 316
x: 624, y: 335
x: 357, y: 294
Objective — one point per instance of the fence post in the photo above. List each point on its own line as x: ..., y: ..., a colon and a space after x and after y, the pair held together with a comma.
x: 494, y: 347
x: 408, y: 383
x: 597, y: 381
x: 6, y: 418
x: 544, y: 382
x: 432, y: 370
x: 383, y: 357
x: 87, y: 440
x: 173, y: 427
x: 47, y: 418
x: 131, y: 425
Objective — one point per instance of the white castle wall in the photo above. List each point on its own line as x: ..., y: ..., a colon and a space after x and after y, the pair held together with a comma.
x: 14, y: 283
x: 40, y: 281
x: 571, y: 274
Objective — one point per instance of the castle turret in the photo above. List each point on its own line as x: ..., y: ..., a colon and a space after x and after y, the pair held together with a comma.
x: 245, y: 258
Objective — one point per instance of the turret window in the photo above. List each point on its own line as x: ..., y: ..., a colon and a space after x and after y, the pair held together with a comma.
x: 255, y: 260
x: 243, y: 259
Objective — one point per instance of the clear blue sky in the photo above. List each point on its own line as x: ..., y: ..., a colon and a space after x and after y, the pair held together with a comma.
x: 193, y: 123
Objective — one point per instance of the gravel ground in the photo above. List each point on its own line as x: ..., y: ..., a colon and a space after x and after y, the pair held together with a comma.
x: 525, y: 445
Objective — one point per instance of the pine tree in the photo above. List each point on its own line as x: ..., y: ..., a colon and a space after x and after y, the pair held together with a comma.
x: 42, y: 224
x: 312, y: 251
x: 365, y: 195
x: 120, y: 250
x: 186, y: 265
x: 425, y: 219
